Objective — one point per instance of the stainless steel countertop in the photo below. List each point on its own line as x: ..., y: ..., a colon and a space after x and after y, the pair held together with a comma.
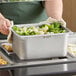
x: 42, y: 67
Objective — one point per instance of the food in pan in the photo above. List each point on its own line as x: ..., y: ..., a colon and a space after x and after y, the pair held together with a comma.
x: 54, y: 27
x: 3, y: 61
x: 8, y: 47
x: 72, y: 49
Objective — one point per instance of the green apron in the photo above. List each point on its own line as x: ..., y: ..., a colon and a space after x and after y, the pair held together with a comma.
x: 23, y: 12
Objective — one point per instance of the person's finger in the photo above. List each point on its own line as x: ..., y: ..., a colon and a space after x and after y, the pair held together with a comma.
x: 3, y: 27
x: 6, y: 32
x: 3, y: 24
x: 8, y: 23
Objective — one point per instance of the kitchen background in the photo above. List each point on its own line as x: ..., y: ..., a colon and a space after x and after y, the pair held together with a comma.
x: 69, y: 13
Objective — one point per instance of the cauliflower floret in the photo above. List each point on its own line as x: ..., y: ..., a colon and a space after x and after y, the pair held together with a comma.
x: 30, y: 30
x: 41, y: 32
x: 47, y: 33
x: 35, y: 29
x: 24, y: 29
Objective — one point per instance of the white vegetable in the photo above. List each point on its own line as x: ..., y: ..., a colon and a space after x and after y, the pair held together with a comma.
x: 41, y: 32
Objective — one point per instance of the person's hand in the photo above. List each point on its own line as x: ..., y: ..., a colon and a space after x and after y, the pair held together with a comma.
x: 4, y: 25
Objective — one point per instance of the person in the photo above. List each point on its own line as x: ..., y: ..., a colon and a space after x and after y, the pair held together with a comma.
x: 27, y: 12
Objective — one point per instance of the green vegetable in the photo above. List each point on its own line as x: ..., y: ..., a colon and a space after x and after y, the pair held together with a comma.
x: 54, y: 27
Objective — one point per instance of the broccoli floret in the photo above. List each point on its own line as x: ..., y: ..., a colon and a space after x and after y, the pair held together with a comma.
x: 54, y: 27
